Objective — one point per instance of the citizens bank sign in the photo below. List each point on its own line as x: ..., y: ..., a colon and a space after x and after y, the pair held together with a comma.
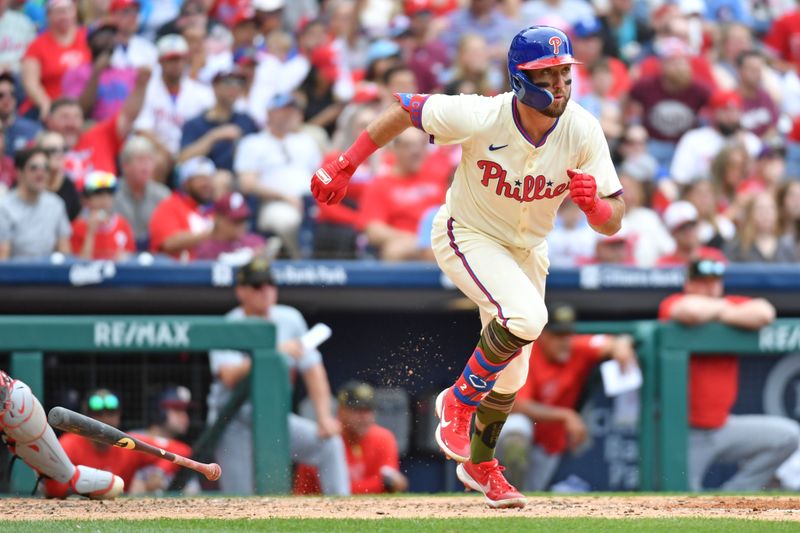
x: 122, y: 334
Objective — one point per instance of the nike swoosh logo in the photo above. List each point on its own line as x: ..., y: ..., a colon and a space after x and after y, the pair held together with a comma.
x: 445, y: 422
x: 492, y: 147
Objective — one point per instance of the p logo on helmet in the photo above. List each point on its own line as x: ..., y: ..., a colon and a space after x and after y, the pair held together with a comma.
x: 536, y: 48
x: 555, y: 42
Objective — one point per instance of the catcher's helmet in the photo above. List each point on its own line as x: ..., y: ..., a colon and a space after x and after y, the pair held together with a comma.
x: 535, y: 48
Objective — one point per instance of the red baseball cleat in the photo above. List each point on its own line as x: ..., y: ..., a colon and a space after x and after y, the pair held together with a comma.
x: 452, y: 433
x: 488, y: 478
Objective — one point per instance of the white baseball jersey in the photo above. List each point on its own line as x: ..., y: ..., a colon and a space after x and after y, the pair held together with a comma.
x: 507, y: 185
x: 164, y: 114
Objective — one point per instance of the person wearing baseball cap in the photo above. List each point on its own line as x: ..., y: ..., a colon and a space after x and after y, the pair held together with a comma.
x: 230, y: 234
x: 169, y: 421
x: 132, y: 50
x: 215, y: 133
x: 561, y: 363
x: 698, y: 147
x: 372, y: 455
x: 98, y: 232
x: 182, y: 221
x: 315, y: 443
x: 757, y: 444
x: 172, y: 99
x: 681, y: 219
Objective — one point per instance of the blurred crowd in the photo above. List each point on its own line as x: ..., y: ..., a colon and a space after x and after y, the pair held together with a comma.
x: 191, y: 128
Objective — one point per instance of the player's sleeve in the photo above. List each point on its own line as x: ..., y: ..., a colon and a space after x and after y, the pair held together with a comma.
x: 596, y: 160
x: 666, y: 305
x: 590, y: 348
x: 448, y: 119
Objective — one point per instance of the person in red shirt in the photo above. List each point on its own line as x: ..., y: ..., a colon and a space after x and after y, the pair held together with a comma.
x: 169, y: 421
x: 97, y: 147
x: 545, y: 423
x: 392, y: 205
x: 681, y: 221
x: 103, y: 405
x: 98, y: 232
x: 58, y: 49
x: 759, y: 444
x: 182, y: 221
x: 783, y: 41
x: 372, y: 456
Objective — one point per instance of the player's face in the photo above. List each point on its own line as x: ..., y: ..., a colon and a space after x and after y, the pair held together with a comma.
x: 710, y: 286
x: 558, y: 81
x: 177, y: 421
x: 555, y: 346
x: 356, y: 421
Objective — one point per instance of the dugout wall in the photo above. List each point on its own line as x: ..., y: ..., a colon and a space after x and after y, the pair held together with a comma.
x: 28, y: 337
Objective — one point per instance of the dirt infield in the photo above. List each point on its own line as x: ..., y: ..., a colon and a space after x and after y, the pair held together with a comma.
x: 649, y: 506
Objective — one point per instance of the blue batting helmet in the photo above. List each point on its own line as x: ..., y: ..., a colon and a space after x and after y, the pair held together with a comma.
x: 535, y: 48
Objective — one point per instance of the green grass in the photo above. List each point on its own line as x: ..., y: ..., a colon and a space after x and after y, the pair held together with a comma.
x: 396, y: 525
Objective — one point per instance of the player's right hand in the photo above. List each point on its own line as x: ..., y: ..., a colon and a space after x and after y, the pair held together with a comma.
x: 329, y: 184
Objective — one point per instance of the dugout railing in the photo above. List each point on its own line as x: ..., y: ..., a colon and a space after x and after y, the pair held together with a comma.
x: 27, y: 338
x: 675, y: 344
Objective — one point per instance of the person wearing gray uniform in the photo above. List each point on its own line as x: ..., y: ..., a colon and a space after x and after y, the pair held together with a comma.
x: 758, y: 444
x: 314, y: 443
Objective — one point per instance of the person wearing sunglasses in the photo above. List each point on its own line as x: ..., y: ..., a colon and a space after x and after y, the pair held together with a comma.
x: 104, y: 405
x: 28, y: 436
x: 33, y: 220
x: 312, y: 443
x: 759, y: 444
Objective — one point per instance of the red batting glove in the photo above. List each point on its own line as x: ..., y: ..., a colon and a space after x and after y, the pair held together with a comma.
x: 583, y: 191
x: 329, y: 184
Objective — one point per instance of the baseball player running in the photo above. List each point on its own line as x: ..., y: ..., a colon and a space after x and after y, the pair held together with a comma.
x: 523, y: 152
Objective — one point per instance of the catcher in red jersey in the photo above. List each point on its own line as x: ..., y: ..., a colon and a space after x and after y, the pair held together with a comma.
x: 523, y: 153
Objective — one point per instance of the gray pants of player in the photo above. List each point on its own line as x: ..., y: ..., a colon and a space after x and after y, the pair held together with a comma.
x: 540, y: 466
x: 759, y: 444
x: 234, y: 454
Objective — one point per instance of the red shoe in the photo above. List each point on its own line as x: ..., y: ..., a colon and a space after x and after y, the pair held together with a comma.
x: 452, y: 433
x: 488, y: 478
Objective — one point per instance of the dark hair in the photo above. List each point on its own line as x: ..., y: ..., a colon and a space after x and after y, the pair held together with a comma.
x: 743, y: 56
x: 8, y: 78
x: 394, y: 69
x: 63, y: 102
x: 21, y: 157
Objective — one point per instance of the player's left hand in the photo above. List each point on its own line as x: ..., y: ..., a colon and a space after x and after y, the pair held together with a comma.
x: 582, y: 190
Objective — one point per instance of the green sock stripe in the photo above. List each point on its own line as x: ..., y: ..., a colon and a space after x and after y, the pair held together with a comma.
x: 497, y: 402
x: 498, y: 344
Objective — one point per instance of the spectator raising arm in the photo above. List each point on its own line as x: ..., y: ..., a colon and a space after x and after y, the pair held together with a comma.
x: 133, y: 104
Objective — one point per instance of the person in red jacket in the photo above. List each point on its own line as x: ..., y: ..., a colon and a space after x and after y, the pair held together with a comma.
x: 372, y: 456
x: 561, y: 363
x: 758, y: 443
x: 104, y: 405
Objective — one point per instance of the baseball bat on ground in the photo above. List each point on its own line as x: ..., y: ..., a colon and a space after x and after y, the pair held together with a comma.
x: 67, y: 420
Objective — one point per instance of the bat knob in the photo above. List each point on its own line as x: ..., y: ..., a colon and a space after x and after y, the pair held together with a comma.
x: 215, y: 473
